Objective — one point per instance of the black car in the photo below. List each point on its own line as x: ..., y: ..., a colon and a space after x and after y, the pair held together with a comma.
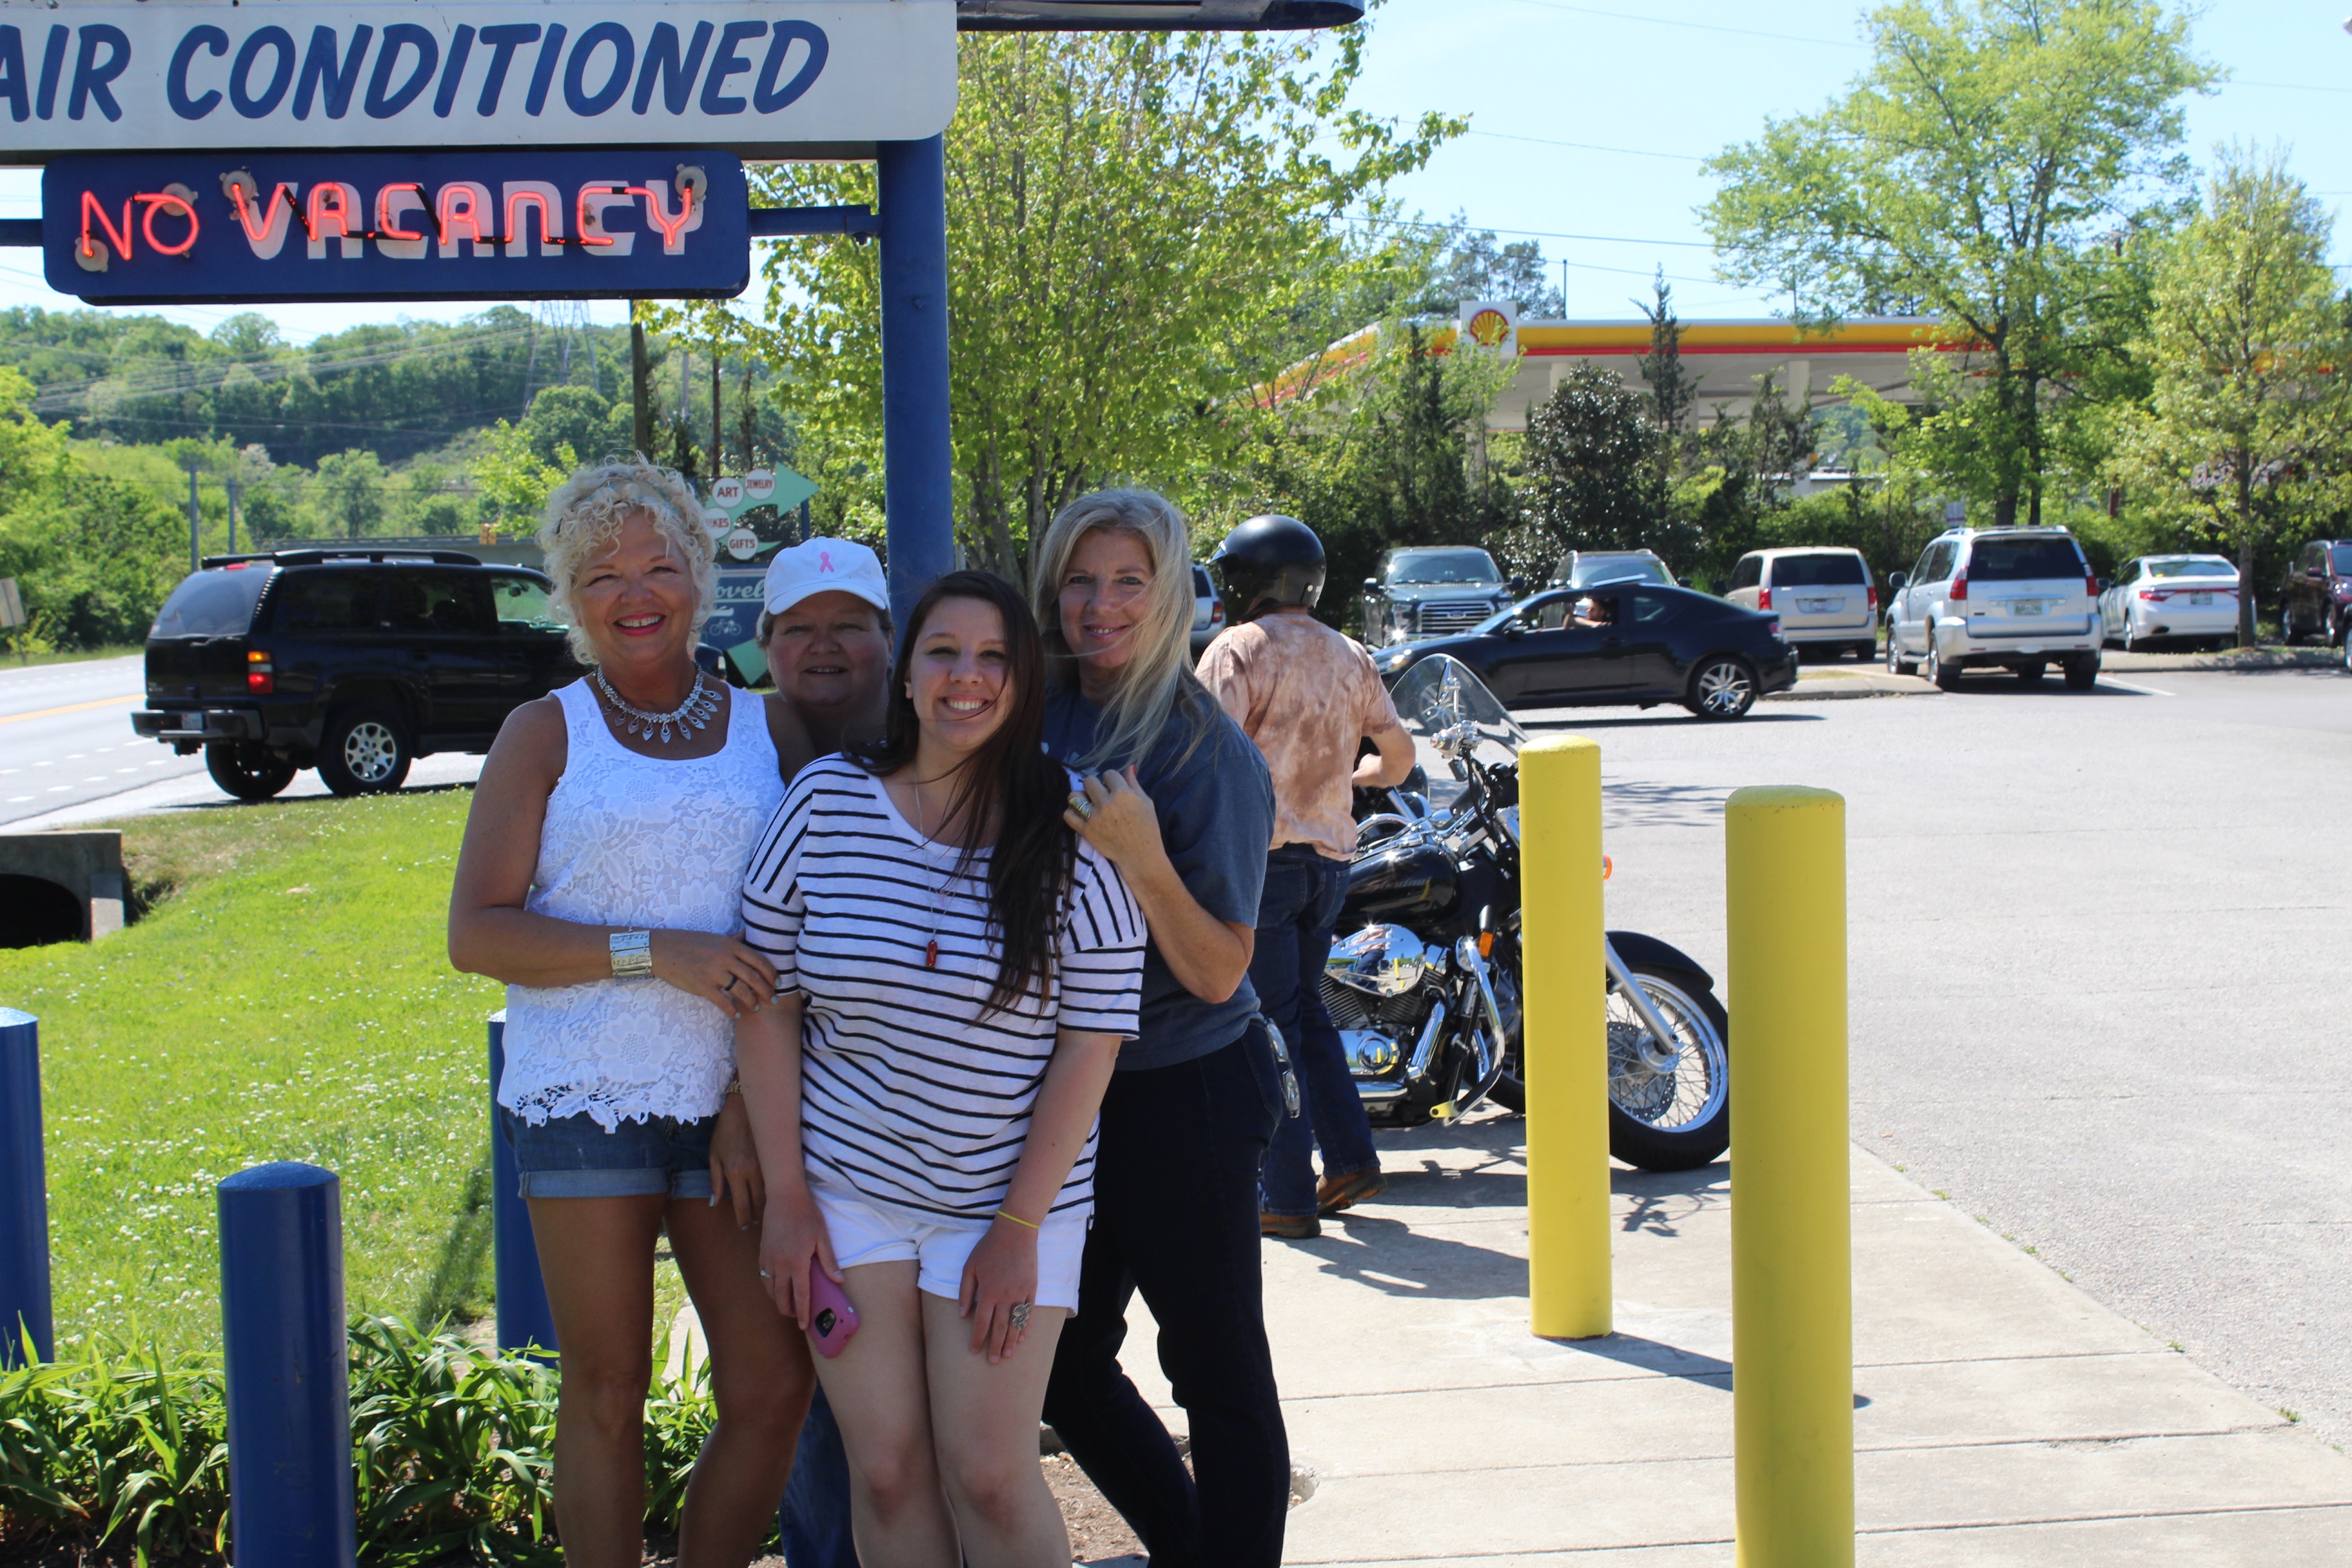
x: 1640, y: 644
x: 354, y: 662
x: 1431, y: 590
x: 2316, y: 596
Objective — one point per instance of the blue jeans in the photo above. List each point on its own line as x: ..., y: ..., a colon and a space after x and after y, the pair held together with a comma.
x: 814, y: 1518
x: 1295, y: 915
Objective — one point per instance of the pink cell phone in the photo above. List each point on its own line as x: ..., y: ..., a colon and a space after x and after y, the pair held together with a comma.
x: 835, y: 1318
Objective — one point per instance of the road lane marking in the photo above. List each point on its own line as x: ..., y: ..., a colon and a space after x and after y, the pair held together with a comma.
x: 18, y: 799
x: 2130, y: 686
x: 68, y: 707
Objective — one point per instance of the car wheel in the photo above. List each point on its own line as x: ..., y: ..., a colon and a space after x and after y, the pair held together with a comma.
x: 2083, y: 673
x: 1863, y: 652
x: 2289, y: 633
x: 1895, y: 663
x: 2131, y: 639
x: 1946, y: 677
x: 246, y: 771
x: 1723, y: 687
x: 2031, y: 674
x: 365, y: 751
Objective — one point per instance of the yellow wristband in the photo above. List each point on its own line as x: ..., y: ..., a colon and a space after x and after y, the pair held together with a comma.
x: 1016, y: 1219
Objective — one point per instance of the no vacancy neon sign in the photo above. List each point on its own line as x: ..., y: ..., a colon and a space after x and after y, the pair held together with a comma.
x: 756, y: 79
x: 135, y: 228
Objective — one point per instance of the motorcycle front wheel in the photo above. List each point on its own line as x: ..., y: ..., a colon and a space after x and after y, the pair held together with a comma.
x: 1669, y: 1109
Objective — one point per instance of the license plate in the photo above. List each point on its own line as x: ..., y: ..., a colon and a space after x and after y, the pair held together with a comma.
x: 2026, y: 606
x: 1820, y: 606
x: 2201, y: 598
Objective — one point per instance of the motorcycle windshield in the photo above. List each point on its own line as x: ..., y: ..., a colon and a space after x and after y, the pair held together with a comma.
x: 1443, y: 701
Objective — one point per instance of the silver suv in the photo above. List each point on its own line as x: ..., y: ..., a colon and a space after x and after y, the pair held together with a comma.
x: 2019, y: 599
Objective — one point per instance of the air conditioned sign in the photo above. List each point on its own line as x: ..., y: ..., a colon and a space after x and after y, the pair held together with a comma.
x: 751, y: 77
x: 264, y: 226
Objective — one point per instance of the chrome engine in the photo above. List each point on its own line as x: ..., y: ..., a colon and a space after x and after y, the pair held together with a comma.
x: 1378, y: 987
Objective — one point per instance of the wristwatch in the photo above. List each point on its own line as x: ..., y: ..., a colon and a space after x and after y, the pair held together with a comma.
x: 632, y: 954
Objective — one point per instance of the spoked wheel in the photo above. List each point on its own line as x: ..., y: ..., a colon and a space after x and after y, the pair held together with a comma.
x: 1669, y: 1102
x: 1895, y: 663
x: 1722, y: 688
x: 365, y: 751
x: 1946, y: 677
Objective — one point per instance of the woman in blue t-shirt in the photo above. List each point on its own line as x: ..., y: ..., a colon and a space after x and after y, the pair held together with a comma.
x: 1178, y: 798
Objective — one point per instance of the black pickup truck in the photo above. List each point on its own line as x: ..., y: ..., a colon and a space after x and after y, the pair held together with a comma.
x: 356, y: 662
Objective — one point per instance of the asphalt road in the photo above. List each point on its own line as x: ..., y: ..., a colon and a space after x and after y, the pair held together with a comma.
x: 2099, y: 973
x: 66, y: 740
x: 68, y: 756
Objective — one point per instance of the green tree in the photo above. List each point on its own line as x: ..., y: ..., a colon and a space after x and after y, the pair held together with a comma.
x: 1986, y: 168
x: 2248, y: 435
x: 1592, y: 479
x: 352, y: 486
x: 1133, y: 219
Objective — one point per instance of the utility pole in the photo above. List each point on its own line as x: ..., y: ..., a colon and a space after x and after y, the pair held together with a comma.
x: 196, y: 551
x: 717, y: 431
x: 641, y: 394
x: 231, y: 482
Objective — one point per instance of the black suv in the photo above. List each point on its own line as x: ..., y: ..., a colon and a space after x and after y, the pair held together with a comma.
x: 2316, y: 596
x: 354, y: 662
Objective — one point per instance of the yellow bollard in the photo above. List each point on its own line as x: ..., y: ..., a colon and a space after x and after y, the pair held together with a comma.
x: 1792, y: 1243
x: 1566, y: 1054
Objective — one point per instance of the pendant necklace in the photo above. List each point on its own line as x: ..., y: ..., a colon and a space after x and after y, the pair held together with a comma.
x: 696, y: 713
x: 939, y: 899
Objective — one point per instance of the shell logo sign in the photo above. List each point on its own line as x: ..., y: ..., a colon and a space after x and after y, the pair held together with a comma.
x: 1491, y: 324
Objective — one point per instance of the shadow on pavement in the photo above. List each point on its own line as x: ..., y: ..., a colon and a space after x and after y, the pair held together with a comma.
x: 1587, y: 719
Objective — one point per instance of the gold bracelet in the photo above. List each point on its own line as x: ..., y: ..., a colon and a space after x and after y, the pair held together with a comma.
x: 1016, y: 1219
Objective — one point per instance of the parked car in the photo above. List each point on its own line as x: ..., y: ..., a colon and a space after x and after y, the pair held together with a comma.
x: 354, y: 662
x: 2019, y: 599
x: 1432, y: 591
x: 1208, y: 610
x: 1590, y: 568
x: 1823, y: 596
x: 2190, y: 597
x: 1630, y: 642
x: 2316, y: 594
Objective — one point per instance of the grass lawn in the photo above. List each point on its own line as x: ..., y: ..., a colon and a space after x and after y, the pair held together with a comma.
x: 291, y: 1000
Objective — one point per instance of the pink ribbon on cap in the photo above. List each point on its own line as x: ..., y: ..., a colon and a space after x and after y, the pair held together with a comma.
x: 824, y: 561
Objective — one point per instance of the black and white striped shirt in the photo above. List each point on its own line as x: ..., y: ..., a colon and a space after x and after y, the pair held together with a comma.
x: 909, y: 1095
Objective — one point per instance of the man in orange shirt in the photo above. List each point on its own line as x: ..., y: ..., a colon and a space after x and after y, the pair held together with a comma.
x: 1308, y: 697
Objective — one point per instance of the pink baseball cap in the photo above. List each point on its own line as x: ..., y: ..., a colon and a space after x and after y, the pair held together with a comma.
x: 826, y: 566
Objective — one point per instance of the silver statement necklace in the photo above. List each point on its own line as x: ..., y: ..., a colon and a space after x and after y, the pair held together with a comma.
x: 696, y: 713
x: 939, y: 899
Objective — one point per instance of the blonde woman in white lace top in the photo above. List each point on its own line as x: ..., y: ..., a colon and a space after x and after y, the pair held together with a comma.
x: 601, y: 878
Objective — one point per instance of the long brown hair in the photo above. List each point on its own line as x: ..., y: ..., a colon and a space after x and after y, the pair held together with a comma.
x: 1011, y: 777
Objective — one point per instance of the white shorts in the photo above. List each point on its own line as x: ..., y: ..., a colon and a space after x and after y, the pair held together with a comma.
x: 864, y: 1232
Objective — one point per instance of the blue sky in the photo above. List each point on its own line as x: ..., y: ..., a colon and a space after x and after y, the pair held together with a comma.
x: 1662, y: 91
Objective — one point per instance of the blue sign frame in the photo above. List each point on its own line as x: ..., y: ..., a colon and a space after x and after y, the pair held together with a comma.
x: 263, y: 227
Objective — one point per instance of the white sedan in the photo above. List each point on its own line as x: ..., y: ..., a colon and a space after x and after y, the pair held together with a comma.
x: 2191, y: 598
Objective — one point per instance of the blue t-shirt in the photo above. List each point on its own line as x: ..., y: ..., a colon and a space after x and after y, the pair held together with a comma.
x: 1216, y: 818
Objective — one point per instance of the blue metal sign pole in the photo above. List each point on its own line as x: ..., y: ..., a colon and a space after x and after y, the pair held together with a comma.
x: 24, y: 1195
x: 919, y: 462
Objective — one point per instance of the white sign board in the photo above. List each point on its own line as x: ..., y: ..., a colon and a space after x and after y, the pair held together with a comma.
x: 727, y: 490
x: 759, y: 484
x: 717, y: 520
x: 101, y: 76
x: 1491, y: 324
x: 741, y: 543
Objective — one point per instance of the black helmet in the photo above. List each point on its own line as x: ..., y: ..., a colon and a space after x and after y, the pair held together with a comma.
x: 1269, y: 563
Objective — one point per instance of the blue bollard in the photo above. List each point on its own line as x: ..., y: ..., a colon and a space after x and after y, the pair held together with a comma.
x: 290, y: 1419
x: 524, y: 1317
x: 24, y: 1195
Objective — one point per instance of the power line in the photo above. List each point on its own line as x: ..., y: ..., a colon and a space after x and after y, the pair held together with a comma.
x: 1591, y: 146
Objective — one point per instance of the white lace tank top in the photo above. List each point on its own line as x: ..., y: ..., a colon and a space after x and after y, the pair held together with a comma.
x: 638, y: 841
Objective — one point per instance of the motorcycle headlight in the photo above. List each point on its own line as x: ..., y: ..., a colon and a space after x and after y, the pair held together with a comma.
x: 1379, y: 960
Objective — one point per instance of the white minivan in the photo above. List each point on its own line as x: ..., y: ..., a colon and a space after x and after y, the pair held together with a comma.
x: 2019, y: 599
x: 1823, y: 596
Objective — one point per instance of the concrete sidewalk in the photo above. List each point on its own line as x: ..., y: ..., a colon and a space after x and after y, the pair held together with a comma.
x: 2002, y: 1416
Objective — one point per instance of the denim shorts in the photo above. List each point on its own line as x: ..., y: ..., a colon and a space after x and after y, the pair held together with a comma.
x: 573, y: 1157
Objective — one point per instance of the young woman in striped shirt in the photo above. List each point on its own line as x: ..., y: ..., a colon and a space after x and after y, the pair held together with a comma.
x: 956, y: 973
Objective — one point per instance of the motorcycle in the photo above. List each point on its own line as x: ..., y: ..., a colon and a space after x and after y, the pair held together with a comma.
x: 1424, y: 988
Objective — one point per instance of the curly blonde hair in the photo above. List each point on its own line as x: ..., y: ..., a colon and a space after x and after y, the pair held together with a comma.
x: 585, y: 515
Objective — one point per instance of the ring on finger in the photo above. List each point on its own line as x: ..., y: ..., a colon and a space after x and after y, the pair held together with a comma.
x: 731, y: 984
x: 1083, y: 804
x: 1020, y: 1316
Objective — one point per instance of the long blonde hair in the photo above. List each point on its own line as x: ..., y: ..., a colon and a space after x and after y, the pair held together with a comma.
x: 585, y: 515
x: 1157, y: 679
